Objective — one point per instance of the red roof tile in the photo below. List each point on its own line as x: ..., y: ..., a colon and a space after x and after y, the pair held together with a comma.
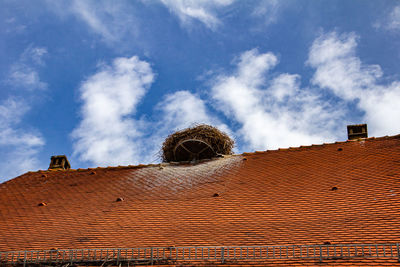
x: 347, y: 192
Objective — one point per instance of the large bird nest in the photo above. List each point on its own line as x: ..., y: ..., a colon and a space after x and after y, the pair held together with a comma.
x: 195, y: 143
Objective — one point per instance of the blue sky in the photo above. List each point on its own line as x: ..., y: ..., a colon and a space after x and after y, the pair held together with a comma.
x: 105, y: 82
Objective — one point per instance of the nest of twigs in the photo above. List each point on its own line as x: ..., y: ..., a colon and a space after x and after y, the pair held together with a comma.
x: 207, y: 140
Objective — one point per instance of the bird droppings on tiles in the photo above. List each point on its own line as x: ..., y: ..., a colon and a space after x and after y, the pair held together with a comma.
x: 178, y: 178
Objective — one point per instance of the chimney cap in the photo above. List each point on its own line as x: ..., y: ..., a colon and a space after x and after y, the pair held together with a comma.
x: 59, y: 162
x: 357, y: 131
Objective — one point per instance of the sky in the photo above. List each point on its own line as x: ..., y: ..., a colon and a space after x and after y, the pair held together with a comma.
x: 104, y: 82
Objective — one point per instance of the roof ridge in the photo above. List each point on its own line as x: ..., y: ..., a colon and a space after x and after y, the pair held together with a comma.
x: 139, y: 166
x: 161, y: 164
x: 323, y: 144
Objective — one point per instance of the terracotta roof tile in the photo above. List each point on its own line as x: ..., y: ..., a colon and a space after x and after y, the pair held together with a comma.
x: 346, y: 192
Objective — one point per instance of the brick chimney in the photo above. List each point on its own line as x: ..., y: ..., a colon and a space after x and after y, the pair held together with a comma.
x: 59, y: 162
x: 357, y: 131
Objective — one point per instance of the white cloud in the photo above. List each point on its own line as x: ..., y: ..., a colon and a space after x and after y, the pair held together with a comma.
x: 339, y: 70
x: 25, y: 77
x: 268, y: 10
x: 34, y: 54
x: 13, y: 25
x: 107, y: 134
x: 182, y: 109
x: 112, y: 20
x: 24, y: 74
x: 272, y: 112
x: 382, y: 111
x: 389, y: 20
x: 18, y: 146
x: 201, y: 10
x: 284, y: 86
x: 393, y: 22
x: 90, y: 15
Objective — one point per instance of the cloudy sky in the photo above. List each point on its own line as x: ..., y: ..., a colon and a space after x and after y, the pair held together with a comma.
x: 104, y: 82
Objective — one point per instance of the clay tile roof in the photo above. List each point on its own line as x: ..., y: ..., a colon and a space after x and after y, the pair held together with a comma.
x: 341, y: 193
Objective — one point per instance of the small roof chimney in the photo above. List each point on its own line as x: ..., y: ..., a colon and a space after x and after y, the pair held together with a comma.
x: 357, y: 131
x: 59, y: 162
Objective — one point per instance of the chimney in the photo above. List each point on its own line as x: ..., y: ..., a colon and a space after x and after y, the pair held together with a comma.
x: 59, y: 163
x: 357, y: 131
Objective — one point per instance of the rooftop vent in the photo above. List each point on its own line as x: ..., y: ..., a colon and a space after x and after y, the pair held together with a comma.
x: 59, y: 163
x: 357, y: 131
x: 196, y: 143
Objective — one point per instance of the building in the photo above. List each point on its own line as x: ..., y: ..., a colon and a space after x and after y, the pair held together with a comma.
x: 322, y: 205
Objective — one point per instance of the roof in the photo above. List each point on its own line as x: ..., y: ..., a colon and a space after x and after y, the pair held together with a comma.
x: 341, y: 193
